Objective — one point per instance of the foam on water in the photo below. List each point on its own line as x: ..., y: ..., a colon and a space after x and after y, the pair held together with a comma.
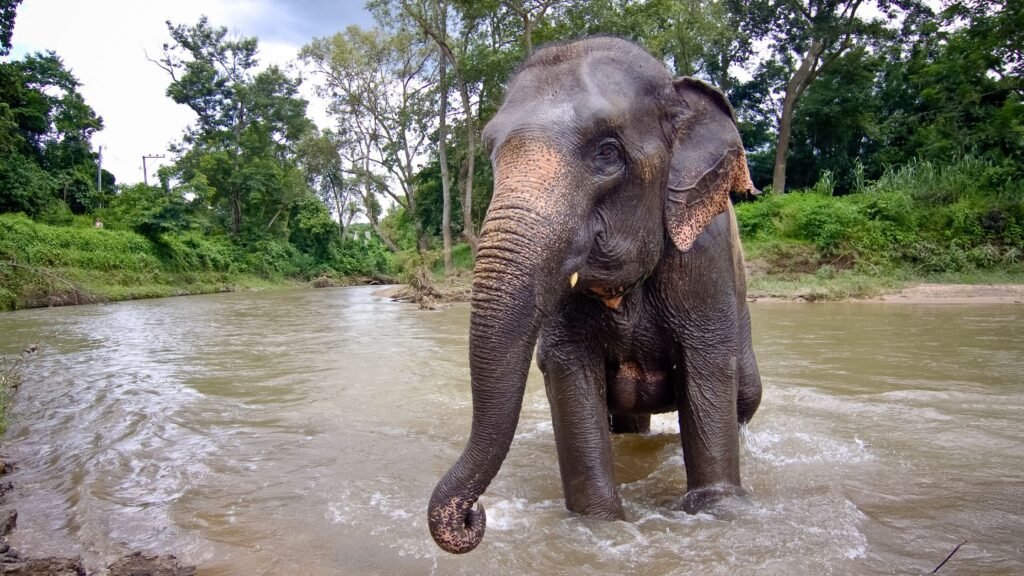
x: 787, y: 447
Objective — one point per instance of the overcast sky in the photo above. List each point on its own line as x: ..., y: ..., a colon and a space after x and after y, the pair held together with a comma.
x: 104, y: 43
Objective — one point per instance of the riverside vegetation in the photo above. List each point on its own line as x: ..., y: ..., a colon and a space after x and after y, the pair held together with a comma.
x: 889, y: 143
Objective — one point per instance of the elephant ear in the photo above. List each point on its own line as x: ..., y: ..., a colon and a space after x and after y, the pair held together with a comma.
x: 708, y: 162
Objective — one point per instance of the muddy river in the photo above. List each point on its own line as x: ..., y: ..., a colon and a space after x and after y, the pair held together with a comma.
x: 302, y: 432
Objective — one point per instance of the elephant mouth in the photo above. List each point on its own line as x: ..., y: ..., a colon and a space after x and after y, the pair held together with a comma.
x: 611, y: 297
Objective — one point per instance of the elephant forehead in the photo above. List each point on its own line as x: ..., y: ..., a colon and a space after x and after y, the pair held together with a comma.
x: 527, y: 163
x: 532, y: 116
x: 581, y: 93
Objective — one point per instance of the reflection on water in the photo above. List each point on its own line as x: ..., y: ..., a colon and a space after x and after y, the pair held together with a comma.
x: 302, y: 433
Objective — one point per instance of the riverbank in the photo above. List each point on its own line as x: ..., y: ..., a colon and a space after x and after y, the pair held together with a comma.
x: 43, y: 265
x: 33, y: 287
x: 430, y: 294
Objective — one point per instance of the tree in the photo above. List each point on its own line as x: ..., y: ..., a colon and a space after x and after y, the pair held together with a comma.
x: 320, y: 158
x: 703, y: 39
x: 531, y: 13
x: 808, y: 37
x: 46, y: 129
x: 380, y: 85
x: 836, y: 129
x: 433, y: 20
x: 242, y: 146
x: 8, y: 11
x: 957, y: 89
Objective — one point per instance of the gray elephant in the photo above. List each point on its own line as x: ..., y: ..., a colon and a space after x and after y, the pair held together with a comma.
x: 610, y: 243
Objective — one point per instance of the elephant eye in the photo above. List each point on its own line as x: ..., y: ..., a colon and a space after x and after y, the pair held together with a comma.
x: 608, y: 157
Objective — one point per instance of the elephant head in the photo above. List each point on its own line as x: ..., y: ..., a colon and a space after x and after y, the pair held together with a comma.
x: 602, y: 161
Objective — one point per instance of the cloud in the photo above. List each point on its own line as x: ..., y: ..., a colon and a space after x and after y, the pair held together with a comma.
x: 105, y: 45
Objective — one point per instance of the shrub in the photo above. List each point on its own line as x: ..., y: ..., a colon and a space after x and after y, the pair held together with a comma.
x: 826, y: 222
x: 192, y: 251
x: 759, y: 218
x: 34, y: 244
x: 272, y: 258
x: 370, y: 258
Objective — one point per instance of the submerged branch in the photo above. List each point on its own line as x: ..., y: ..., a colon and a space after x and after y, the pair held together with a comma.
x: 948, y: 557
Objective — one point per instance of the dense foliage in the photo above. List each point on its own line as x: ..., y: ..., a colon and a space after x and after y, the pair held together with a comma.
x: 902, y: 126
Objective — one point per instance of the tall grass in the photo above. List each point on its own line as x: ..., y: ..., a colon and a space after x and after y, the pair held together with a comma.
x: 920, y: 219
x: 33, y: 244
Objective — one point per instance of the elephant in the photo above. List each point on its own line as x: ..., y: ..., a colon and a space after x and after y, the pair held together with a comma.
x: 611, y: 246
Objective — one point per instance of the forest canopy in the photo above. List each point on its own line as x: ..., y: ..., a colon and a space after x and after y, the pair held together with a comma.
x: 901, y: 118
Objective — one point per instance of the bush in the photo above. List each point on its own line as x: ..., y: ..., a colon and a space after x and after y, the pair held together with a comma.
x: 192, y: 251
x: 931, y: 219
x: 758, y: 218
x: 355, y: 258
x: 827, y: 223
x: 41, y: 245
x: 273, y: 258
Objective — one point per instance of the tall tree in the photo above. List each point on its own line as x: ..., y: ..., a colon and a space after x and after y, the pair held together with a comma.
x: 703, y: 39
x: 807, y: 37
x: 531, y: 13
x: 380, y: 85
x: 958, y: 89
x: 320, y: 158
x: 242, y: 147
x: 8, y: 11
x: 45, y: 135
x: 432, y: 17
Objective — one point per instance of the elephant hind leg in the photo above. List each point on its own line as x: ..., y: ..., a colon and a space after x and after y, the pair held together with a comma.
x: 748, y: 396
x: 625, y: 424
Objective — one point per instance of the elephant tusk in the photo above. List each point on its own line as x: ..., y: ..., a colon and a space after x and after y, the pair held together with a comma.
x: 573, y: 279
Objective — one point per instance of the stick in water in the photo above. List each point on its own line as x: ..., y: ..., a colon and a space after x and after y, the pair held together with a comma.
x: 948, y: 557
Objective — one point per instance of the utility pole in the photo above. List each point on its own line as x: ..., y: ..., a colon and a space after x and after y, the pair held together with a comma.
x: 145, y: 178
x: 99, y: 170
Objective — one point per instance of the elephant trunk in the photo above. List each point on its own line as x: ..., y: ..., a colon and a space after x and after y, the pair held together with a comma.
x: 519, y: 251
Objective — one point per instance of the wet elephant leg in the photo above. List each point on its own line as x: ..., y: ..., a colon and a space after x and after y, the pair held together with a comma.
x: 707, y: 422
x: 575, y: 381
x: 749, y: 393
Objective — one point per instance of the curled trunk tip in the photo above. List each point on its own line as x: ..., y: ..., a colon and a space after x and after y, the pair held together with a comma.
x: 456, y: 526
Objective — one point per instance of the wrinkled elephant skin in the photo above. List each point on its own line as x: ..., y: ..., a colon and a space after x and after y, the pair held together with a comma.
x: 610, y: 245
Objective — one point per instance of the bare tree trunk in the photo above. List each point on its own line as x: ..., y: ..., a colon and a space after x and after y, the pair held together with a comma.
x: 442, y: 152
x: 801, y: 79
x: 528, y: 34
x: 338, y: 208
x: 236, y: 214
x: 468, y: 229
x: 371, y: 214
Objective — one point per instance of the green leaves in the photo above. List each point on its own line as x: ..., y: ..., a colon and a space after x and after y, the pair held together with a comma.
x: 45, y: 132
x: 242, y: 148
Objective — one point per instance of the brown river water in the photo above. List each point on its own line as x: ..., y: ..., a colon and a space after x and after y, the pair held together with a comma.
x: 301, y: 433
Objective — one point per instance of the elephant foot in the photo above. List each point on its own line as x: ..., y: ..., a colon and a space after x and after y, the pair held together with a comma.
x: 630, y: 424
x: 719, y: 500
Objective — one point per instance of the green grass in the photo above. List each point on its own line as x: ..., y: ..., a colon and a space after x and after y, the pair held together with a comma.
x: 43, y: 265
x: 957, y: 223
x: 825, y: 284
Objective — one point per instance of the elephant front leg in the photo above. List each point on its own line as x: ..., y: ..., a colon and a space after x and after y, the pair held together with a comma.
x: 708, y: 423
x: 575, y: 383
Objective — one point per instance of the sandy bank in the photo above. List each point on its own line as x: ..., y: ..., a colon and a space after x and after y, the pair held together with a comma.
x: 917, y: 294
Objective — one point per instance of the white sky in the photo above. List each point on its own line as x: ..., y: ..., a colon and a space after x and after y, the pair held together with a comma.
x: 104, y: 43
